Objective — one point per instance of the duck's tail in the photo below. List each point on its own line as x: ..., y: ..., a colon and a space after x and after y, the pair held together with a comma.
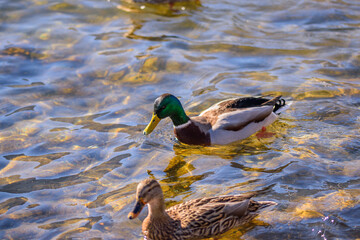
x: 256, y: 206
x: 281, y: 105
x: 264, y: 204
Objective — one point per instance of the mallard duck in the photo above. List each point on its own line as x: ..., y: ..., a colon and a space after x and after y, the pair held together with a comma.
x: 225, y: 122
x: 198, y: 218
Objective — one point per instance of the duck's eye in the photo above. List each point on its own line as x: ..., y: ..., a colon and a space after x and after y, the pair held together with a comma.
x: 163, y: 107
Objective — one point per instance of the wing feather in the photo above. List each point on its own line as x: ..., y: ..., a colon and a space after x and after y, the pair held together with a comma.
x: 238, y: 119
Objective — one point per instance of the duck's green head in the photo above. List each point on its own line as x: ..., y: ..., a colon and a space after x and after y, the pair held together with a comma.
x: 166, y: 105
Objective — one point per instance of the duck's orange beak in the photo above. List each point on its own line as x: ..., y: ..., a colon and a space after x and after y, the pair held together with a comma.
x: 137, y: 209
x: 153, y: 123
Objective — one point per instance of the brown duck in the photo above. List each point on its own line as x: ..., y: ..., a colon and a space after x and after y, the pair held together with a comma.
x: 198, y: 218
x: 225, y: 122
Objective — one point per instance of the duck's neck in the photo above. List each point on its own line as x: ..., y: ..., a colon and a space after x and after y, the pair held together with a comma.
x: 179, y: 117
x: 157, y: 209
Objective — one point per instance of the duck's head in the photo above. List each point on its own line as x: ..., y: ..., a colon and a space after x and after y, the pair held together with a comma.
x: 166, y: 105
x: 147, y: 191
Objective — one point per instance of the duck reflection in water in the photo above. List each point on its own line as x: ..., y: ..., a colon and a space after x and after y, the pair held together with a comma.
x: 171, y: 3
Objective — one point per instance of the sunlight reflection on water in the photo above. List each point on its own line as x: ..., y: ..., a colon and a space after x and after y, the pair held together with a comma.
x: 78, y: 81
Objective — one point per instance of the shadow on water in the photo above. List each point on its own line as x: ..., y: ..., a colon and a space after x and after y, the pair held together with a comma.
x: 264, y: 170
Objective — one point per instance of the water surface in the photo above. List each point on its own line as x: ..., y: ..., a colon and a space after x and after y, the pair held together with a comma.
x: 77, y: 85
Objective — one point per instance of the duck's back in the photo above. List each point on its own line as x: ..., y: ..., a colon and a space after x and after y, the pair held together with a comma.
x: 236, y: 104
x: 207, y: 217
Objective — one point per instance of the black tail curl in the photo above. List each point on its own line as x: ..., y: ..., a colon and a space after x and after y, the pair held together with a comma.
x: 279, y: 104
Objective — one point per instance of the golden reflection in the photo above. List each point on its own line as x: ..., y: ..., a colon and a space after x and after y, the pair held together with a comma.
x: 17, y: 138
x: 9, y: 180
x: 66, y: 223
x: 10, y: 203
x: 308, y: 207
x: 249, y: 146
x: 261, y: 76
x: 33, y: 84
x: 314, y: 207
x: 63, y: 7
x: 178, y: 167
x: 320, y: 94
x: 238, y: 232
x: 324, y: 88
x: 167, y: 9
x: 246, y: 186
x: 22, y: 52
x: 127, y: 146
x: 76, y: 221
x: 41, y: 2
x: 174, y: 186
x: 42, y: 159
x: 116, y: 199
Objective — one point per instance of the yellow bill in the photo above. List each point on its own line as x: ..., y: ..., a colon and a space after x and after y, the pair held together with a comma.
x: 152, y: 125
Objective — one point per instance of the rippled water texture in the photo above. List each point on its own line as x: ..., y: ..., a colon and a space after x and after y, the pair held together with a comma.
x: 77, y: 85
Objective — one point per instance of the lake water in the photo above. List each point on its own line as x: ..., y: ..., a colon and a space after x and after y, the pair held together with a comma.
x: 77, y: 85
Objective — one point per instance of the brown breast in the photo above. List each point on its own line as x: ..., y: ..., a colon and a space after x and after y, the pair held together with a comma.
x: 193, y: 134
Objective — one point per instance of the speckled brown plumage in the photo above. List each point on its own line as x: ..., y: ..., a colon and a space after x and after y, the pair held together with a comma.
x: 198, y: 218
